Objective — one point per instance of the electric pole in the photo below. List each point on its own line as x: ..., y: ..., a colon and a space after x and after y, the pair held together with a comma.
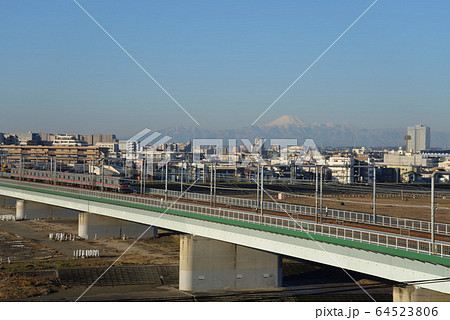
x: 165, y: 189
x: 257, y: 188
x: 321, y: 194
x: 262, y: 189
x: 316, y: 194
x: 181, y: 178
x: 374, y: 194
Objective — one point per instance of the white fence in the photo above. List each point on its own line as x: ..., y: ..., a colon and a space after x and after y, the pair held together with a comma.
x: 296, y: 210
x: 86, y: 253
x: 8, y: 217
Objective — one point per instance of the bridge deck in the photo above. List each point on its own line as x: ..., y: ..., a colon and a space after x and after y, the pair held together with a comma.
x: 404, y: 246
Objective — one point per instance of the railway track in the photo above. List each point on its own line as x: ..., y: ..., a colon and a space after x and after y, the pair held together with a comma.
x: 322, y: 219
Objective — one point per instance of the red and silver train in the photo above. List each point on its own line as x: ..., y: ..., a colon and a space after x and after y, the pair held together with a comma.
x: 110, y: 183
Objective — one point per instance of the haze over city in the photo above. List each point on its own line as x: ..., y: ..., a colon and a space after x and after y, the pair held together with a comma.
x: 224, y: 62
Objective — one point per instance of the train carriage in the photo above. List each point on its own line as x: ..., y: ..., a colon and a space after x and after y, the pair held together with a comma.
x: 112, y: 183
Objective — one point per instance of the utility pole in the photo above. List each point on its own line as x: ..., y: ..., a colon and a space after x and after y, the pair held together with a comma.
x: 144, y: 171
x: 290, y: 173
x: 432, y: 214
x: 141, y: 175
x: 210, y: 184
x: 205, y: 173
x: 316, y: 194
x: 91, y: 173
x: 103, y: 174
x: 295, y: 173
x: 51, y: 170
x: 165, y: 189
x: 262, y: 189
x: 374, y: 194
x: 181, y: 178
x: 215, y: 182
x: 20, y: 168
x: 321, y: 193
x: 257, y: 188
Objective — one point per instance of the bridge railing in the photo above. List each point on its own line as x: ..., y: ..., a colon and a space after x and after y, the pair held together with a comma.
x: 363, y: 236
x: 294, y: 209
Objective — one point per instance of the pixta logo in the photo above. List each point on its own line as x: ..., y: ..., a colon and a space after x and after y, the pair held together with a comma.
x: 142, y: 150
x: 147, y: 151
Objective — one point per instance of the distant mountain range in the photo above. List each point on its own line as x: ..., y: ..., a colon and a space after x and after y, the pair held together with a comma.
x: 324, y: 134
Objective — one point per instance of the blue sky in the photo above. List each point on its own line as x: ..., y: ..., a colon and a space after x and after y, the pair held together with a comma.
x: 224, y: 61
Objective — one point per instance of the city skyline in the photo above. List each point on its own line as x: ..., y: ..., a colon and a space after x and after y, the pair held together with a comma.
x: 285, y: 127
x: 225, y: 63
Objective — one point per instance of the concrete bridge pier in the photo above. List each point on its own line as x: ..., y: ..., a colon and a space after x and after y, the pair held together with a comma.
x: 35, y: 210
x: 207, y: 264
x: 7, y: 202
x: 94, y: 226
x: 414, y: 294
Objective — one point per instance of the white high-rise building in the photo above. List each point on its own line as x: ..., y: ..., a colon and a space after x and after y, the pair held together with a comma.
x: 342, y: 169
x: 420, y: 138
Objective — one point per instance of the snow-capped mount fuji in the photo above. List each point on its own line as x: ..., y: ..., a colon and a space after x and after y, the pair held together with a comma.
x: 325, y: 134
x: 286, y: 120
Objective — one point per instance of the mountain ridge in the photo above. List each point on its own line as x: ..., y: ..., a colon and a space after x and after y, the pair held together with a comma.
x: 324, y: 134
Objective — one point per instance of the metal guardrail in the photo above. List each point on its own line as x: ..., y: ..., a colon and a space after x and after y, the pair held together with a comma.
x: 296, y: 210
x: 341, y: 232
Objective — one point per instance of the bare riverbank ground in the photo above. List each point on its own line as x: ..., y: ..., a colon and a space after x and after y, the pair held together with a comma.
x: 25, y: 246
x: 31, y: 252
